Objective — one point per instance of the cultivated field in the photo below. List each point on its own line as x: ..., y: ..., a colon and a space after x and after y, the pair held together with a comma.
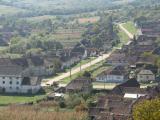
x: 40, y: 18
x: 88, y: 20
x: 68, y: 37
x: 38, y: 113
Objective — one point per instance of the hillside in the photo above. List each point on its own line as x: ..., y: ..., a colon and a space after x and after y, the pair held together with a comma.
x: 60, y: 6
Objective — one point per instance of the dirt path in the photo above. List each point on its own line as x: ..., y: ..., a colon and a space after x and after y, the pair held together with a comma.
x: 77, y: 70
x: 130, y: 35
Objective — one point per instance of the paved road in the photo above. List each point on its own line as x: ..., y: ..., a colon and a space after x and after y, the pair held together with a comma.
x: 85, y: 66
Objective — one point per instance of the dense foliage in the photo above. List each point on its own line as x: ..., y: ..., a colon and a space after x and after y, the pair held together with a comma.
x: 101, y: 32
x: 33, y: 44
x: 147, y: 110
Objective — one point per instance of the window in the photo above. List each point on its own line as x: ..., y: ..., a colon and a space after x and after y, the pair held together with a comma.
x: 17, y: 83
x: 10, y: 82
x: 3, y: 82
x: 3, y: 77
x: 10, y: 77
x: 17, y: 88
x: 118, y: 77
x: 17, y: 77
x: 10, y: 87
x: 147, y: 77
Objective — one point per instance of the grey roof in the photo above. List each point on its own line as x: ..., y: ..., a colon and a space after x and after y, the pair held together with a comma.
x: 11, y: 70
x: 145, y: 72
x: 79, y: 83
x: 119, y: 70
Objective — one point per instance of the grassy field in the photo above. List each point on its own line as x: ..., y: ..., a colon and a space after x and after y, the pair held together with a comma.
x: 9, y: 10
x: 123, y: 38
x: 130, y: 27
x: 11, y: 99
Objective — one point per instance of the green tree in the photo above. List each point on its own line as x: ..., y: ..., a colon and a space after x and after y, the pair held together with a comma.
x: 87, y: 74
x: 147, y: 110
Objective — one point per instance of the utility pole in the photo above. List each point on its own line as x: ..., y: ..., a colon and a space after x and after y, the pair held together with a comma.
x: 70, y: 72
x: 104, y: 85
x: 102, y: 59
x: 70, y: 69
x: 80, y: 66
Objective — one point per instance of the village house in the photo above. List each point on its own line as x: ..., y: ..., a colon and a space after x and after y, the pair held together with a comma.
x: 130, y: 90
x: 140, y: 45
x: 81, y: 50
x: 145, y: 60
x: 69, y: 57
x: 150, y: 28
x: 140, y: 49
x: 113, y: 75
x: 69, y: 60
x: 80, y: 85
x: 111, y: 107
x: 92, y: 52
x: 132, y: 60
x: 37, y: 65
x: 117, y: 58
x: 145, y: 76
x: 118, y: 103
x: 13, y: 80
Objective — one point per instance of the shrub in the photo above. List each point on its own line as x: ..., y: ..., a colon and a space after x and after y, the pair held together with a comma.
x: 81, y: 108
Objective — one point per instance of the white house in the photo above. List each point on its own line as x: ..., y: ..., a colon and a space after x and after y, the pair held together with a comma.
x: 133, y: 95
x: 116, y: 75
x: 12, y: 80
x: 145, y: 76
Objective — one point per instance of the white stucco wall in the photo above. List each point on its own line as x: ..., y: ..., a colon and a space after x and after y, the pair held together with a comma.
x: 10, y: 83
x: 28, y: 88
x: 117, y: 63
x: 145, y: 78
x: 13, y: 84
x: 110, y: 78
